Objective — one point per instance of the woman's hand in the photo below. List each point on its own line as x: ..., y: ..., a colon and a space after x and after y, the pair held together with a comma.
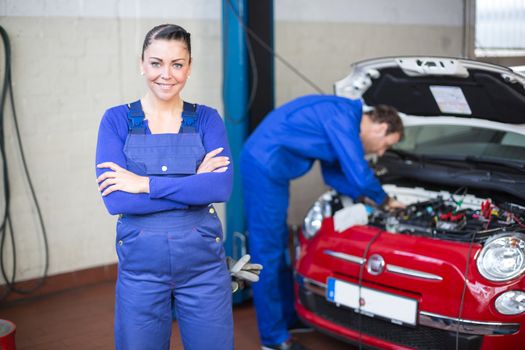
x: 121, y: 179
x: 213, y: 164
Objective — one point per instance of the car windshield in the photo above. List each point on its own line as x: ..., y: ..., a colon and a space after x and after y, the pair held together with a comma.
x: 463, y: 141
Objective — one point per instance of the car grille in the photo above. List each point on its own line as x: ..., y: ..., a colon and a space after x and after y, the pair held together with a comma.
x: 419, y: 337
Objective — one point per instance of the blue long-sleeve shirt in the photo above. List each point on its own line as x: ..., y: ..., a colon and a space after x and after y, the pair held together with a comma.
x: 327, y: 128
x: 166, y: 193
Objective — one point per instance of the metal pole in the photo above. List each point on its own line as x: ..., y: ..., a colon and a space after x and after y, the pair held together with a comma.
x: 235, y: 90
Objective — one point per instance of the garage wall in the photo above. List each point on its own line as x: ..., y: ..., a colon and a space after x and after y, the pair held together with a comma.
x: 323, y: 40
x: 73, y: 59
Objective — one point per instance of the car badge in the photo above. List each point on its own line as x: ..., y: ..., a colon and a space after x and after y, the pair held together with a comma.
x: 375, y: 265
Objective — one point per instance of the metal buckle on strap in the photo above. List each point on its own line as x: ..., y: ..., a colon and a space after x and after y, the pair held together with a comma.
x: 136, y: 118
x: 189, y: 118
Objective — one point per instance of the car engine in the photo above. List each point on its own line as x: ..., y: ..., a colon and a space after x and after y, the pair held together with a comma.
x: 457, y: 216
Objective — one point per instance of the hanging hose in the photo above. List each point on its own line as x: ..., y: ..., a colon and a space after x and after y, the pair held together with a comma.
x: 360, y: 285
x: 6, y: 223
x: 253, y: 90
x: 462, y: 300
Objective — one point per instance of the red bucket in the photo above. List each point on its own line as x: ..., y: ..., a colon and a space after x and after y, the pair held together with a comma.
x: 7, y: 335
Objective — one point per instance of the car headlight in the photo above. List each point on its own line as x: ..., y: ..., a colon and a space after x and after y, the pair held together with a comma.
x: 511, y: 302
x: 314, y: 218
x: 503, y: 257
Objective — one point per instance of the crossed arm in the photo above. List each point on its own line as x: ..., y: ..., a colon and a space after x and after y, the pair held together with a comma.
x: 121, y: 179
x: 124, y: 192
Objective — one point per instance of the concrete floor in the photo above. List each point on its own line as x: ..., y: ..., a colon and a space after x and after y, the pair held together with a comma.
x: 82, y: 319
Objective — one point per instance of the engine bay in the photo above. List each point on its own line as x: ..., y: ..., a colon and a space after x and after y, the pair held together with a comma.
x: 457, y: 216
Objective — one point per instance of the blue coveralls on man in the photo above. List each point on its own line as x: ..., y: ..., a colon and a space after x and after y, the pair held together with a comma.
x: 283, y: 147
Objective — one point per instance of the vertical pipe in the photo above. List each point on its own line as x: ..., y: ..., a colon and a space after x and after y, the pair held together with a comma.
x: 469, y: 29
x: 260, y: 22
x: 235, y: 95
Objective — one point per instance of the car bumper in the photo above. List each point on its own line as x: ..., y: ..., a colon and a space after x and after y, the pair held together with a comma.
x: 432, y: 331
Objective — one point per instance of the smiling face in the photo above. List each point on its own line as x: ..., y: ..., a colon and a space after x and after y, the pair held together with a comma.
x: 166, y: 66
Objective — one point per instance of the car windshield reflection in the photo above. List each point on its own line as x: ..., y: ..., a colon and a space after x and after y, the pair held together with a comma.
x: 463, y: 141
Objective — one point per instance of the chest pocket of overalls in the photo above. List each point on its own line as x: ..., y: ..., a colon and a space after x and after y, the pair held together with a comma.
x: 171, y: 166
x: 164, y: 154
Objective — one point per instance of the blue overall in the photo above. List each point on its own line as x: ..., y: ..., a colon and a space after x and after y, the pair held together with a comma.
x: 284, y: 147
x: 176, y: 254
x: 266, y: 207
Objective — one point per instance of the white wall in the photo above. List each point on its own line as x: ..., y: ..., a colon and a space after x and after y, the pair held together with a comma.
x: 73, y: 59
x: 322, y: 39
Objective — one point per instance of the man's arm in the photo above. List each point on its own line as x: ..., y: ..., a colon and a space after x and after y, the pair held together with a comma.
x: 343, y: 133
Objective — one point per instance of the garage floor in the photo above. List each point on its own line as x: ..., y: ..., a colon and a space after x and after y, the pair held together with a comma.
x: 82, y: 319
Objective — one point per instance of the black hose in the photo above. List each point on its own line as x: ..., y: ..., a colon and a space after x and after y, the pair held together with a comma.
x: 360, y: 284
x: 6, y: 223
x: 463, y: 292
x: 269, y: 49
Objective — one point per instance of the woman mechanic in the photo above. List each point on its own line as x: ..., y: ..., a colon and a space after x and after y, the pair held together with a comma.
x: 160, y: 163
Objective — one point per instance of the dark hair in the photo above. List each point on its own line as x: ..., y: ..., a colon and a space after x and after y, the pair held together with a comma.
x: 387, y: 114
x: 167, y: 32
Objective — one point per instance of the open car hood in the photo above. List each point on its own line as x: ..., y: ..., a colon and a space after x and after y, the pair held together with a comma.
x: 438, y: 86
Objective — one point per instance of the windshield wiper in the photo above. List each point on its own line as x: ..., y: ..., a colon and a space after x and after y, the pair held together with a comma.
x: 470, y: 160
x: 423, y: 158
x: 405, y: 155
x: 496, y: 161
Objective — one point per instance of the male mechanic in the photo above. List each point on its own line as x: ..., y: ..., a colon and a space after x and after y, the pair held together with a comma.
x: 284, y: 146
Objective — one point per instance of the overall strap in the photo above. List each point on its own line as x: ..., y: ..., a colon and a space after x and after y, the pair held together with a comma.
x: 189, y: 118
x: 136, y: 117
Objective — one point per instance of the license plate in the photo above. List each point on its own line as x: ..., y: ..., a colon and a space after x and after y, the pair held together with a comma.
x: 397, y: 309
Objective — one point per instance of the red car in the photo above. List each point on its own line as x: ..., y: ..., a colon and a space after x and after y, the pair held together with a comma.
x: 447, y: 272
